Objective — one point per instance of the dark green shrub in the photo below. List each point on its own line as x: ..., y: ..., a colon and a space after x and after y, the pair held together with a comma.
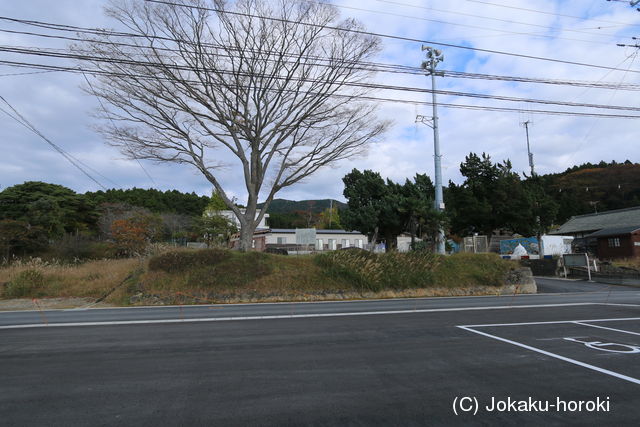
x: 237, y: 270
x: 28, y: 283
x: 421, y: 245
x: 72, y: 248
x: 181, y: 261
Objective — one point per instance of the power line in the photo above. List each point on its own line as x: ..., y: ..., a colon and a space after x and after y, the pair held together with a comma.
x: 374, y: 66
x: 502, y: 109
x: 477, y: 27
x: 508, y: 21
x: 27, y: 73
x: 389, y: 36
x: 549, y: 13
x: 351, y: 84
x: 114, y: 125
x: 24, y: 122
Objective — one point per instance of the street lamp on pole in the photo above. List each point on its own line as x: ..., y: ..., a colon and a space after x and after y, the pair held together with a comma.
x: 434, y: 57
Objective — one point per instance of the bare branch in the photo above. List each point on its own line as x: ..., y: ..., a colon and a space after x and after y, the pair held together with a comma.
x: 196, y: 85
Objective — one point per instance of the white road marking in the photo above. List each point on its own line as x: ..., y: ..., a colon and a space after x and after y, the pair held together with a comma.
x: 364, y: 300
x: 604, y: 327
x: 622, y: 305
x: 550, y: 323
x: 606, y: 346
x: 556, y: 356
x: 284, y: 316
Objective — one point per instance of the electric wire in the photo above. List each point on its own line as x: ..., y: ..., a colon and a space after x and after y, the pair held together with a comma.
x: 388, y: 36
x: 71, y: 159
x: 370, y: 66
x: 106, y: 112
x: 80, y: 57
x: 477, y: 27
x: 549, y: 13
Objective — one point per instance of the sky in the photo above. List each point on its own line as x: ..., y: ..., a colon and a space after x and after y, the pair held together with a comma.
x: 582, y: 31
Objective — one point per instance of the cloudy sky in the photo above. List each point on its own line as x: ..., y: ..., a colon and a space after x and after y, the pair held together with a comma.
x: 582, y: 31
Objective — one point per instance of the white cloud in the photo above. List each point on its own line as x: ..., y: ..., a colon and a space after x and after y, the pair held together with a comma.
x: 57, y: 106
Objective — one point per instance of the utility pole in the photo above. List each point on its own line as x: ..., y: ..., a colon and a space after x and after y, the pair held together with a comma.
x: 435, y: 56
x: 526, y: 128
x: 535, y: 201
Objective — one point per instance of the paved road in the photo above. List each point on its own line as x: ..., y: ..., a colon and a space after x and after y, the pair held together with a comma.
x: 552, y: 285
x: 404, y: 367
x: 227, y: 311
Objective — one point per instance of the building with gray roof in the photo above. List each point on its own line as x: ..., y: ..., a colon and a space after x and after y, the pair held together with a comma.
x: 582, y: 225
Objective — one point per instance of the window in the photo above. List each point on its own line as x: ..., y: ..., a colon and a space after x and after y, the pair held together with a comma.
x: 359, y: 243
x: 614, y: 242
x: 282, y: 240
x: 319, y: 245
x: 332, y: 244
x: 345, y: 243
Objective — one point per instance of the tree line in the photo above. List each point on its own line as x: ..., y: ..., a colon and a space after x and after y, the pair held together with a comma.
x: 36, y: 217
x: 491, y: 197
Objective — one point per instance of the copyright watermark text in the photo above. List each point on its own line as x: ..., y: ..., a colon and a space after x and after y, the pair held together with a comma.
x: 471, y: 405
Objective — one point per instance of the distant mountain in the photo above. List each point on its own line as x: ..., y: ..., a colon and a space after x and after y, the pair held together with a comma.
x: 283, y: 206
x: 593, y: 188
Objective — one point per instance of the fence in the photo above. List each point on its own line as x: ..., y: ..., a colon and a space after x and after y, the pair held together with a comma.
x: 475, y: 244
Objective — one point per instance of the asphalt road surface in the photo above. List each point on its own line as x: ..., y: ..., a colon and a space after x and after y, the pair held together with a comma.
x: 553, y: 285
x: 392, y: 362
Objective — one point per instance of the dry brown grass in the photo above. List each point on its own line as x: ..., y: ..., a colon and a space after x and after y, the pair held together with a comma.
x: 628, y: 263
x: 91, y: 279
x: 252, y: 277
x: 286, y: 274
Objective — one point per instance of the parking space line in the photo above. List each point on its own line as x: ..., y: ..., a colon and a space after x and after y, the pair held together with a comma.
x: 556, y: 356
x: 551, y: 322
x: 604, y: 327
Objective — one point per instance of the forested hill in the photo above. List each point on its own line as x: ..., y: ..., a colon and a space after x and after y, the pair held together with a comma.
x: 155, y: 200
x: 586, y: 188
x: 283, y: 206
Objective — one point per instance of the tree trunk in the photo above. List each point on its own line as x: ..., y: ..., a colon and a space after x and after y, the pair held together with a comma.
x: 391, y: 242
x: 246, y: 236
x: 413, y: 235
x: 374, y: 239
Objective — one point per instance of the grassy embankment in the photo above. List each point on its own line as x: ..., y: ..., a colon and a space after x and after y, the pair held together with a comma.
x: 188, y: 276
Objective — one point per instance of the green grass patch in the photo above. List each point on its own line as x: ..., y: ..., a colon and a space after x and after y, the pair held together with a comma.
x: 28, y: 283
x: 464, y: 269
x: 421, y: 269
x: 182, y: 261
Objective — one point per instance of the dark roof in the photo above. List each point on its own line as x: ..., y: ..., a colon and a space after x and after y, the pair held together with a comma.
x: 293, y: 230
x: 615, y: 231
x: 593, y: 222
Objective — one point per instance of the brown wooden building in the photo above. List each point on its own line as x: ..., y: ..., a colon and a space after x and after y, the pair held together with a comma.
x: 619, y: 242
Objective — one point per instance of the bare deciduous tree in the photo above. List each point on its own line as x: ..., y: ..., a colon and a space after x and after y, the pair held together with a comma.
x: 197, y: 82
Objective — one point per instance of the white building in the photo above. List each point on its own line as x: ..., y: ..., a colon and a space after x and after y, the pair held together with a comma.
x: 234, y: 220
x: 325, y: 240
